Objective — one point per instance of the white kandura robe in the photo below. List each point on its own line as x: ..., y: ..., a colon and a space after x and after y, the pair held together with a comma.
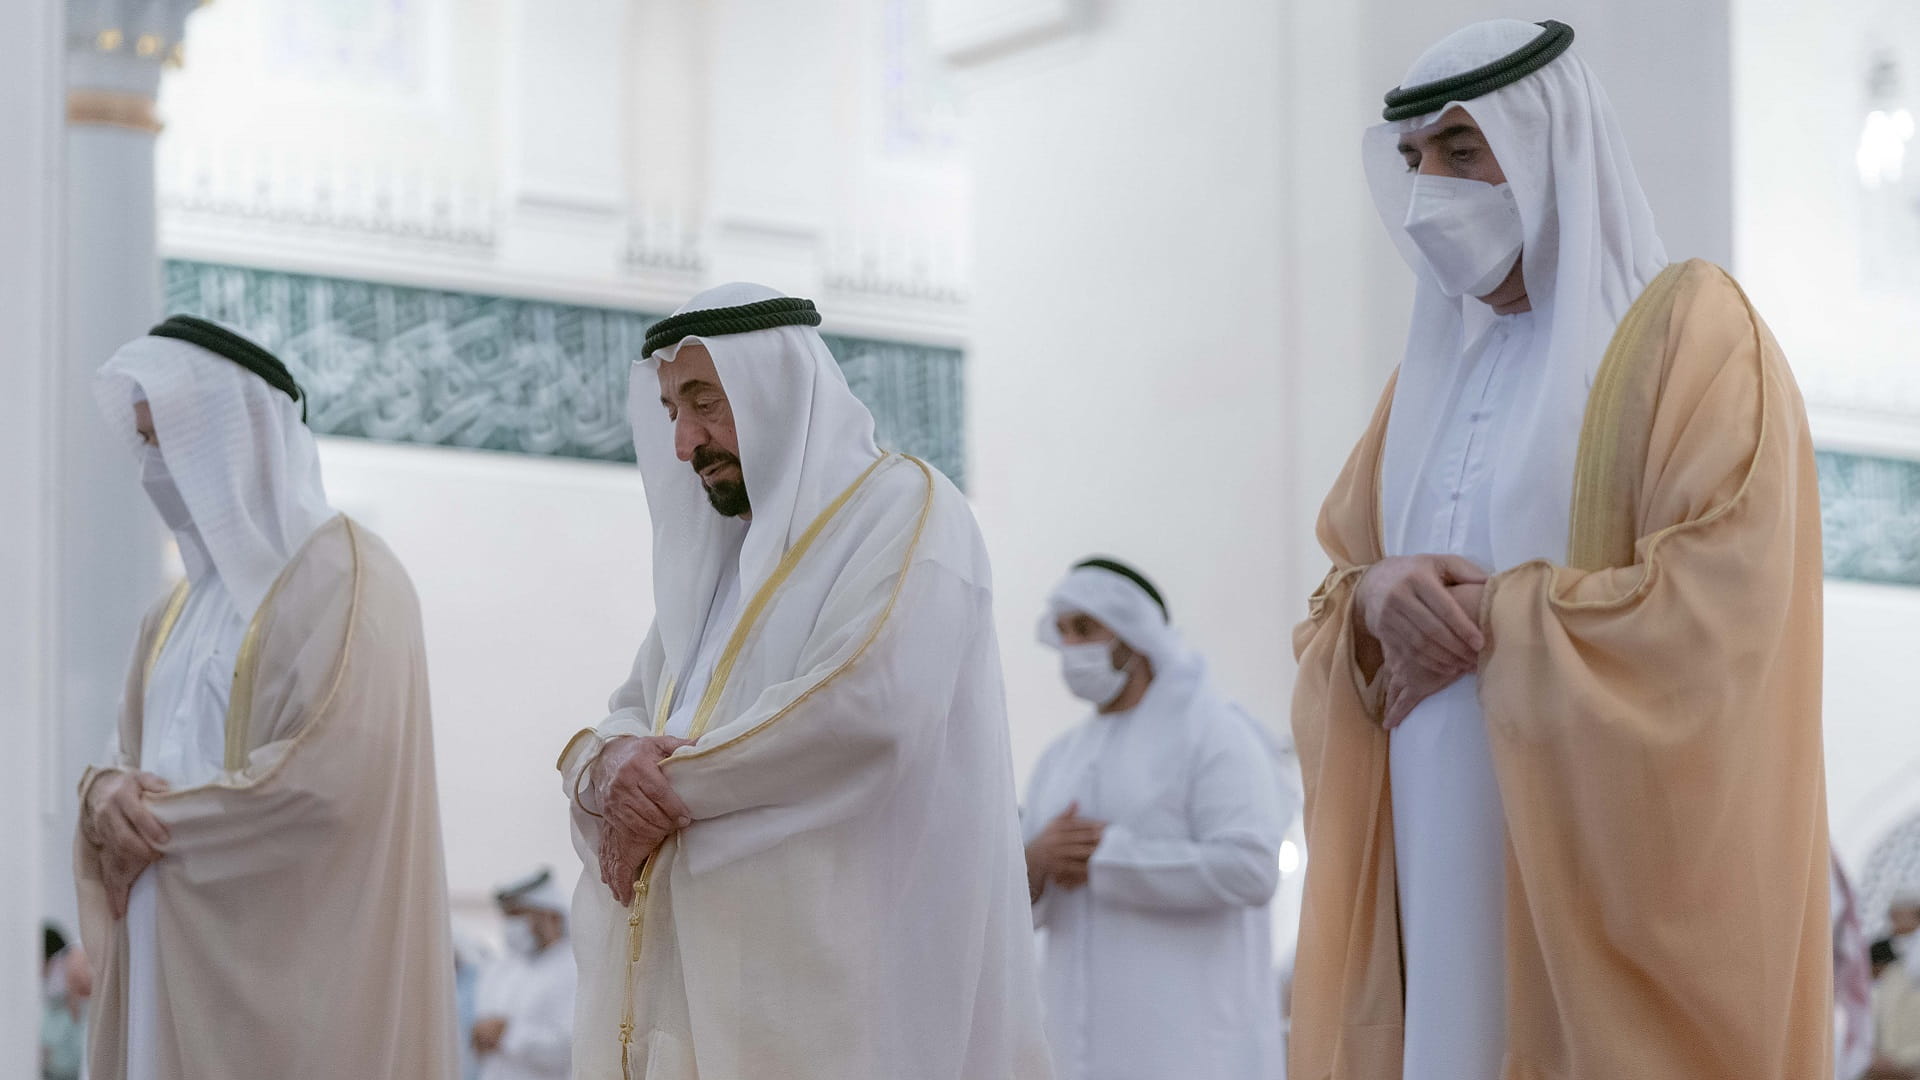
x: 184, y: 744
x: 1449, y: 831
x: 1162, y: 964
x: 535, y: 994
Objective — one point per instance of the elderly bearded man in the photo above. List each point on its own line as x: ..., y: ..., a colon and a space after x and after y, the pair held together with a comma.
x: 802, y: 851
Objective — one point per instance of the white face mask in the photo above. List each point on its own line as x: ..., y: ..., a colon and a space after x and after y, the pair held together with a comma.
x: 162, y: 490
x: 520, y: 938
x: 1089, y: 672
x: 1468, y: 230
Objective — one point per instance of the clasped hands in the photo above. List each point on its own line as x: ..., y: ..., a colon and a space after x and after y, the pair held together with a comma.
x: 1062, y: 851
x: 123, y: 826
x: 1418, y: 621
x: 637, y: 806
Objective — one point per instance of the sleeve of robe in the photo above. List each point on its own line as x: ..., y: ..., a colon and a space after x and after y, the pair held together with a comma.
x: 875, y: 693
x: 1231, y: 858
x: 629, y: 712
x: 1346, y: 1017
x: 1656, y: 732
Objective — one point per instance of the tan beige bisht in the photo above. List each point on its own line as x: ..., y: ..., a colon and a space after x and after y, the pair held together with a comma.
x: 302, y: 899
x: 1654, y: 713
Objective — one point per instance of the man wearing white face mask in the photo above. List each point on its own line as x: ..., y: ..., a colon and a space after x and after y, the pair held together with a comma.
x: 524, y: 1005
x: 1153, y: 835
x: 265, y: 830
x: 1559, y: 697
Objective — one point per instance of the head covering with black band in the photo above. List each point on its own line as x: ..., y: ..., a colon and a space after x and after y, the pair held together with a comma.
x: 803, y: 437
x: 1589, y: 249
x: 232, y: 441
x: 1407, y: 102
x: 221, y: 341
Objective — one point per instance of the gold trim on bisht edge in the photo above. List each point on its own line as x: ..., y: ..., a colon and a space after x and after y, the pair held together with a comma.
x: 703, y: 712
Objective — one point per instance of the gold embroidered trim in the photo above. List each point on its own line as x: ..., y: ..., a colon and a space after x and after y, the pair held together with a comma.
x: 749, y: 619
x: 561, y: 762
x: 246, y: 668
x: 926, y: 509
x: 338, y: 677
x: 1598, y: 457
x: 176, y: 603
x: 662, y: 708
x: 723, y: 670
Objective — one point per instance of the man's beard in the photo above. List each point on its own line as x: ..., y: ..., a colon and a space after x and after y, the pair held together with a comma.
x: 729, y: 497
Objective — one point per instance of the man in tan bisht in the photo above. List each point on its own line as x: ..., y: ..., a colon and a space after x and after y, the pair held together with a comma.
x: 258, y: 862
x: 802, y: 849
x: 1559, y: 701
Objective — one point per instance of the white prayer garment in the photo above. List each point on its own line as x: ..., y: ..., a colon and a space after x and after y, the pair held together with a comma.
x: 236, y: 477
x: 534, y: 993
x: 1161, y: 965
x: 849, y: 903
x: 203, y: 400
x: 1478, y: 462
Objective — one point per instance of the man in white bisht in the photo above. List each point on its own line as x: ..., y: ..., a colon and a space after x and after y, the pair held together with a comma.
x: 258, y: 861
x: 1153, y: 838
x: 798, y: 823
x: 523, y: 1028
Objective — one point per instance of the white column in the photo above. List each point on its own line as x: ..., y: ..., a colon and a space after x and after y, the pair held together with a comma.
x: 30, y: 309
x: 108, y: 557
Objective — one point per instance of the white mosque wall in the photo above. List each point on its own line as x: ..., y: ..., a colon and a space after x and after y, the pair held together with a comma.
x: 535, y: 593
x: 1872, y: 686
x: 1827, y: 244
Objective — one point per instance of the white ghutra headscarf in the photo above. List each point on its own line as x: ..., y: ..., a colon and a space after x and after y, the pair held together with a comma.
x: 1590, y: 249
x: 803, y: 438
x: 244, y: 463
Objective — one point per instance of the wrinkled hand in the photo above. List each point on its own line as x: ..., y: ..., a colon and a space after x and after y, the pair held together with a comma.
x: 488, y: 1032
x: 1062, y: 850
x: 621, y: 860
x: 125, y: 829
x: 638, y: 804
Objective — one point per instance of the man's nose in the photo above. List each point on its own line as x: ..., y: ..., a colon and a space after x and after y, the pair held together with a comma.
x: 688, y: 436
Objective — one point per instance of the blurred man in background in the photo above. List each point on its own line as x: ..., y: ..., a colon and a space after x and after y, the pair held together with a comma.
x: 1896, y: 994
x: 523, y: 1010
x: 1153, y: 836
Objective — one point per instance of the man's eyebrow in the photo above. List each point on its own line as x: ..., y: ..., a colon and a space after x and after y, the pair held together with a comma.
x: 1448, y: 133
x: 691, y: 386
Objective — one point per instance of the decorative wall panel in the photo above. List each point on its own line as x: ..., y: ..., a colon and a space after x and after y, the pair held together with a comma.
x: 1870, y: 514
x: 445, y: 368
